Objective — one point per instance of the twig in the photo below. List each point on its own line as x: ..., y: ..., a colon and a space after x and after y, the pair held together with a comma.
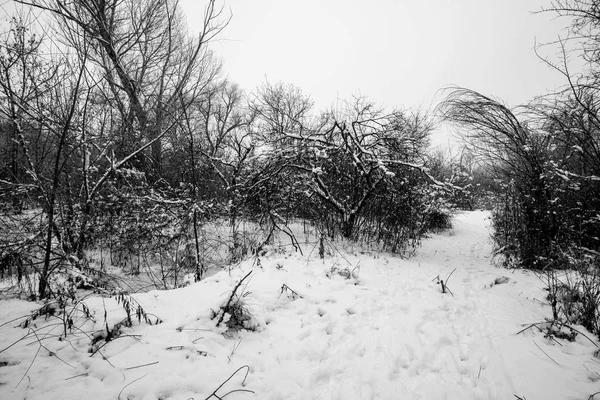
x: 235, y: 347
x: 444, y: 284
x: 448, y: 278
x: 17, y: 341
x: 30, y: 365
x: 214, y: 393
x: 581, y: 333
x: 143, y: 365
x: 14, y: 319
x: 112, y: 340
x: 595, y: 372
x: 554, y: 339
x: 107, y: 360
x: 76, y: 376
x: 129, y: 384
x: 529, y: 327
x: 234, y: 391
x: 180, y: 329
x: 545, y: 353
x: 54, y: 354
x: 446, y: 288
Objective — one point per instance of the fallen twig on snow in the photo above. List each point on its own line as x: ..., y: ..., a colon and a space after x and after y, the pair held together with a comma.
x: 142, y: 365
x: 40, y: 346
x: 129, y: 384
x: 76, y: 376
x: 14, y: 319
x: 235, y: 347
x: 28, y: 368
x: 545, y: 353
x: 214, y: 393
x: 529, y: 327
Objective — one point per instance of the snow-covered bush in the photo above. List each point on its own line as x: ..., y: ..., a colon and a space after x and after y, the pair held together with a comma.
x: 545, y: 159
x: 548, y: 188
x: 574, y: 294
x: 235, y: 312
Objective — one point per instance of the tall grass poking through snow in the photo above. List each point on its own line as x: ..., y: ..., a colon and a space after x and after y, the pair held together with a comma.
x: 574, y: 294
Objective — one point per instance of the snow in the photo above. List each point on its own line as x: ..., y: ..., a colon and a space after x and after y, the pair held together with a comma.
x: 356, y: 325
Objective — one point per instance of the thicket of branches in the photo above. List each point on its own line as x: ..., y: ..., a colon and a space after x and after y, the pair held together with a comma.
x: 119, y: 132
x: 544, y: 159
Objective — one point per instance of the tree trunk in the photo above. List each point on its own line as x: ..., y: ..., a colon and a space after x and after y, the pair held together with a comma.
x: 156, y: 155
x: 348, y: 225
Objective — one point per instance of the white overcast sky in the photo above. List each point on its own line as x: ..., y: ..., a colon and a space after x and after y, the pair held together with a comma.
x: 398, y: 53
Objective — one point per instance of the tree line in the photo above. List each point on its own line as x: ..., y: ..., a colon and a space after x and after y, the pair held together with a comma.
x: 118, y: 123
x: 119, y: 130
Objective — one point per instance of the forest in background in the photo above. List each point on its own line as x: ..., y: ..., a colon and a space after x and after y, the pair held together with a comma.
x: 119, y: 131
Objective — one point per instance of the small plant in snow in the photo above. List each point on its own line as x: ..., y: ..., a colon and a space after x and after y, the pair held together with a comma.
x: 235, y: 313
x: 68, y: 313
x: 553, y: 329
x: 290, y: 293
x: 104, y: 336
x: 133, y: 309
x: 499, y: 281
x: 444, y: 283
x: 345, y: 273
x: 575, y: 296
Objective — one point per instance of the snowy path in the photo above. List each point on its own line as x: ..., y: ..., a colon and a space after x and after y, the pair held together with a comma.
x: 390, y: 334
x: 400, y: 337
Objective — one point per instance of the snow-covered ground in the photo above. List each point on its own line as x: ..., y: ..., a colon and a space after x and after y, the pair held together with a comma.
x: 380, y: 329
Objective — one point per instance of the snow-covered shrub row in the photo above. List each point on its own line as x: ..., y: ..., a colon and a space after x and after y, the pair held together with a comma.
x: 546, y: 212
x: 544, y: 159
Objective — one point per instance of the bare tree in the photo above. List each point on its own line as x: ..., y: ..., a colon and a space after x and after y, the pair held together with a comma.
x: 125, y: 75
x: 280, y: 109
x: 517, y: 153
x: 145, y: 56
x: 218, y: 128
x: 49, y: 97
x: 345, y: 156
